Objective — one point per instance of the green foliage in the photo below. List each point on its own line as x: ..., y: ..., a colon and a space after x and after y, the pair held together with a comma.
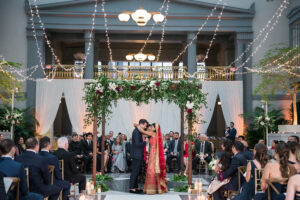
x: 8, y: 82
x: 104, y: 178
x: 255, y: 130
x: 103, y: 92
x: 26, y: 127
x: 183, y: 188
x: 179, y: 178
x: 104, y: 187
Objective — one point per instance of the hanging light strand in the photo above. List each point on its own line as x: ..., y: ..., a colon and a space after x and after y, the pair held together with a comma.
x: 106, y: 32
x: 163, y: 32
x: 215, y: 32
x: 199, y: 30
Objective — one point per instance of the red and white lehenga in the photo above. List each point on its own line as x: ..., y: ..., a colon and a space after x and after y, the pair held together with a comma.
x: 156, y: 182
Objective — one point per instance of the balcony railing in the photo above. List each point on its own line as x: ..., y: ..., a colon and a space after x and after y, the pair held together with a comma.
x: 208, y: 73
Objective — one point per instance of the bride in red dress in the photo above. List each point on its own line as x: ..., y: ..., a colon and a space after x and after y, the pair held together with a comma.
x: 155, y: 182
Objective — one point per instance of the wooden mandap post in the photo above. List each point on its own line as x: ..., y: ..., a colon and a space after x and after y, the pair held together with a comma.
x: 94, y: 148
x: 181, y: 138
x: 103, y: 144
x: 190, y: 178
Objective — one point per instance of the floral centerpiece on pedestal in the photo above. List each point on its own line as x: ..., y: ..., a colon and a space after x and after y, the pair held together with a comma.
x: 13, y: 118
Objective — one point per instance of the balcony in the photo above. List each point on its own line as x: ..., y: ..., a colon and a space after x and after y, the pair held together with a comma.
x: 204, y: 73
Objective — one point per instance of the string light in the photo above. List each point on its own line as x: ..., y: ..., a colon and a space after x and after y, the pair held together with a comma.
x: 215, y: 33
x: 162, y: 33
x: 106, y: 31
x: 199, y: 30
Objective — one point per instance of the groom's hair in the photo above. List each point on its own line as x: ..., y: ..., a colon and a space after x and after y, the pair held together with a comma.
x: 143, y: 121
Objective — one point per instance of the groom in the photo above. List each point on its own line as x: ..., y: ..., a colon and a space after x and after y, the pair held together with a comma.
x: 137, y: 154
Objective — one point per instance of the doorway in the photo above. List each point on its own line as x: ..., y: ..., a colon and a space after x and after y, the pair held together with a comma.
x: 217, y: 124
x: 62, y: 124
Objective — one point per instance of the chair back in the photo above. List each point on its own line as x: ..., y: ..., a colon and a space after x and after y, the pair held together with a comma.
x: 212, y: 149
x: 62, y: 167
x: 271, y: 185
x: 15, y: 185
x: 27, y: 177
x: 257, y: 179
x: 51, y: 172
x: 241, y: 171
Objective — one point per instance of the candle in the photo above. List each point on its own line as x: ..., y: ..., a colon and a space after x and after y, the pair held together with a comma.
x: 92, y: 186
x: 196, y: 185
x: 99, y: 190
x: 82, y: 197
x: 189, y: 190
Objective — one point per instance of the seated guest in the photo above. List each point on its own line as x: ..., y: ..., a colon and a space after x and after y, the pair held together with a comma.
x: 106, y: 152
x: 293, y: 147
x: 52, y: 160
x: 128, y: 153
x: 293, y: 138
x: 293, y: 187
x: 171, y: 134
x: 11, y: 168
x: 167, y: 142
x: 261, y: 141
x: 1, y: 137
x: 247, y: 154
x: 87, y: 148
x: 259, y: 162
x: 76, y: 149
x: 278, y: 169
x: 203, y: 150
x: 20, y: 146
x: 241, y: 138
x: 174, y: 151
x: 232, y: 172
x: 186, y: 155
x: 3, y: 195
x: 119, y: 162
x: 39, y: 177
x: 232, y: 133
x: 71, y: 172
x: 226, y: 146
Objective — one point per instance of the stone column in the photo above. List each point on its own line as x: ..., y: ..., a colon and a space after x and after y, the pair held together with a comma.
x: 32, y: 60
x: 241, y: 44
x: 191, y: 54
x: 89, y: 66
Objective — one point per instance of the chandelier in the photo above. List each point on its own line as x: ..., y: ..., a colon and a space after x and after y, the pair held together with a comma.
x: 140, y: 57
x: 141, y: 16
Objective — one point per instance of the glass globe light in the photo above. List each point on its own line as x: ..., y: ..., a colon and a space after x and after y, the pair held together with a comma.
x: 158, y: 18
x: 124, y: 17
x: 141, y: 17
x: 151, y: 57
x: 129, y: 57
x: 140, y: 57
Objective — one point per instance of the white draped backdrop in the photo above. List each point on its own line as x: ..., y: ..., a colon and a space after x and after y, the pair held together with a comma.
x: 125, y: 113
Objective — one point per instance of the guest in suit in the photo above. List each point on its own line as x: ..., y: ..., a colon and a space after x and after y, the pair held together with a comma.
x: 20, y: 146
x: 52, y: 160
x: 232, y: 133
x: 39, y: 178
x: 174, y: 151
x: 71, y: 172
x: 76, y: 148
x: 1, y: 137
x: 137, y: 155
x: 167, y: 142
x: 246, y: 153
x: 232, y: 172
x: 11, y: 168
x: 87, y: 148
x: 203, y: 150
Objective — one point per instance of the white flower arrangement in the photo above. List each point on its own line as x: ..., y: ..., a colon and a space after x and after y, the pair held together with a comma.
x: 189, y: 105
x: 112, y: 86
x: 212, y: 164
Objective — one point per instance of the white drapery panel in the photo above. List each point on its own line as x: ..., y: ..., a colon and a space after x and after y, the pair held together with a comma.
x: 231, y: 97
x: 48, y: 96
x: 125, y: 113
x: 73, y: 92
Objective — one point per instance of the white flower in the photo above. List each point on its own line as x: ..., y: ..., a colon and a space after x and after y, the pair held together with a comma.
x: 189, y: 105
x: 267, y: 118
x: 112, y: 86
x: 99, y: 87
x: 152, y: 84
x: 191, y: 96
x: 262, y: 123
x: 260, y: 117
x: 13, y: 122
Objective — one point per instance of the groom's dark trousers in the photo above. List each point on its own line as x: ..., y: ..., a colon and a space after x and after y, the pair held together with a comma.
x: 137, y: 153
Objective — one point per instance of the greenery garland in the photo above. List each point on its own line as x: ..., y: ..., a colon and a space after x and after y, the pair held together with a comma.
x: 101, y: 94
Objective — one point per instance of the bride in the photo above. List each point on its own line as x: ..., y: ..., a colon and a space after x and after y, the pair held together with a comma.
x: 155, y: 182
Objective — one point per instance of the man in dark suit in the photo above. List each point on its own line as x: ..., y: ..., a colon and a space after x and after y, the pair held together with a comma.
x: 71, y: 172
x: 231, y: 133
x: 3, y: 195
x: 246, y: 153
x: 232, y: 172
x: 174, y: 151
x: 39, y: 178
x: 52, y: 160
x: 128, y: 153
x: 137, y: 154
x: 76, y: 148
x: 203, y: 150
x: 11, y: 168
x: 87, y: 148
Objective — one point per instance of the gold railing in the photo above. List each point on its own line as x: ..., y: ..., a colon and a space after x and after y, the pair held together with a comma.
x: 208, y: 73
